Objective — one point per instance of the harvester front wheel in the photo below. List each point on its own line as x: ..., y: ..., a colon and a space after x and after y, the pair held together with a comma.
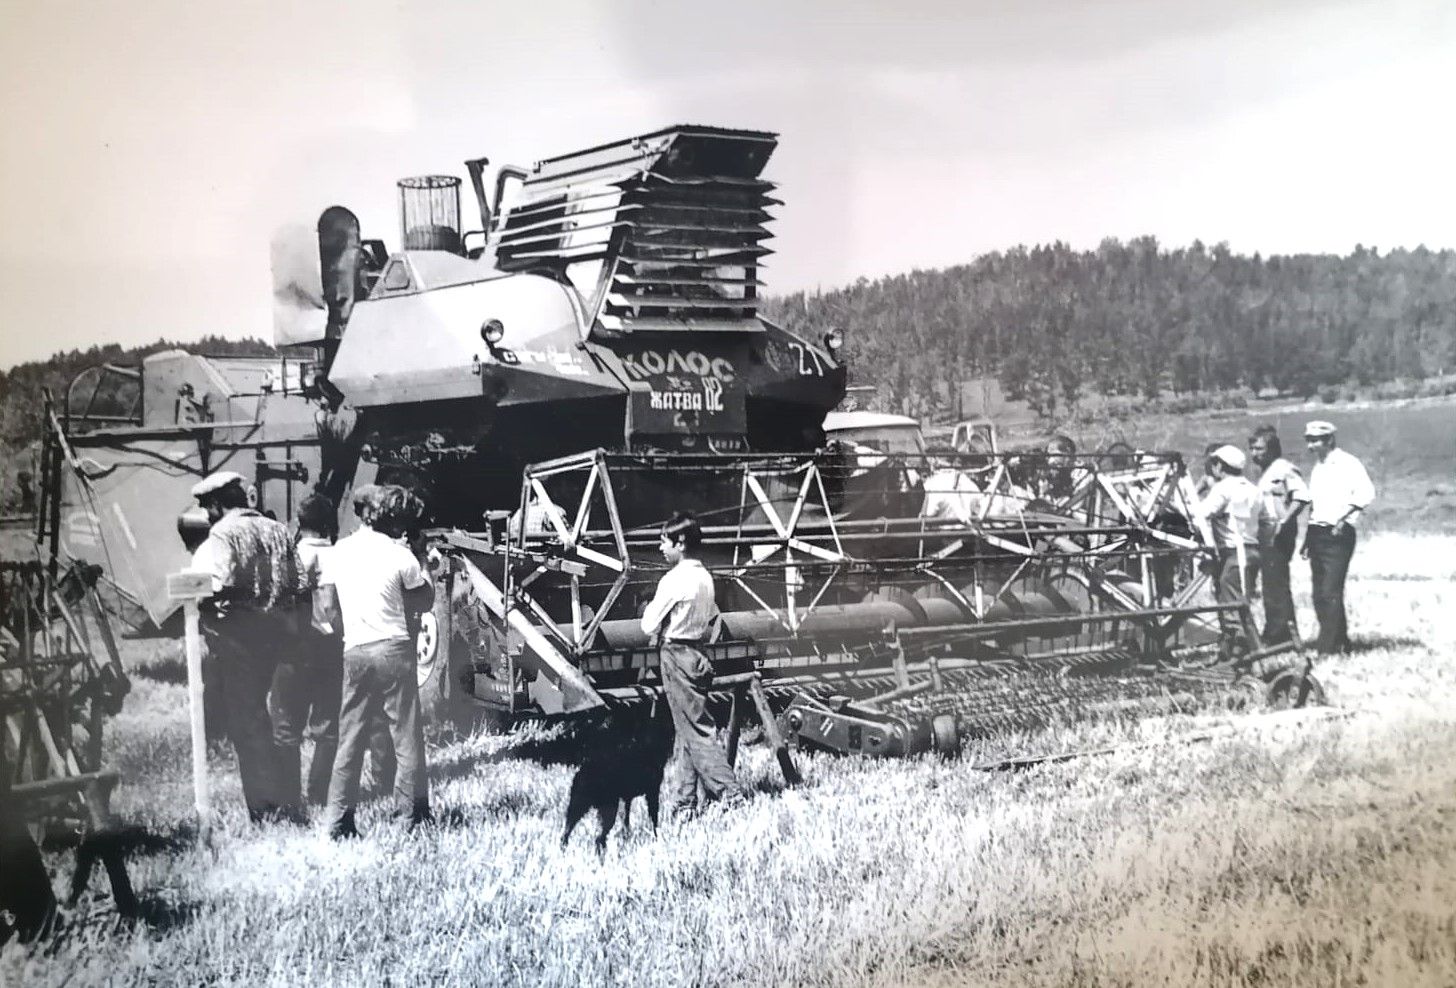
x: 443, y: 668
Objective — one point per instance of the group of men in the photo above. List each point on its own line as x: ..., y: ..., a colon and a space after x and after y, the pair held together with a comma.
x: 1254, y: 529
x: 301, y: 631
x: 1252, y: 526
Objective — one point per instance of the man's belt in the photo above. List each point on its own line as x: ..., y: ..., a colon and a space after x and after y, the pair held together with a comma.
x: 685, y: 641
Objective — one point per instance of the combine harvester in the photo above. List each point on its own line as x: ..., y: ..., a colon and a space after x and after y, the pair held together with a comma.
x: 558, y: 383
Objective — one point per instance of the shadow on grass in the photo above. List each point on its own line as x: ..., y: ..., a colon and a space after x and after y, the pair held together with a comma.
x: 161, y: 915
x: 133, y: 840
x: 445, y: 820
x: 1373, y: 643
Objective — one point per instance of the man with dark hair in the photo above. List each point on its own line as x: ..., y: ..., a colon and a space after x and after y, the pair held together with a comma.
x: 374, y: 584
x: 1210, y: 476
x: 1339, y: 490
x: 680, y: 616
x: 1285, y: 495
x: 248, y: 622
x: 1061, y: 467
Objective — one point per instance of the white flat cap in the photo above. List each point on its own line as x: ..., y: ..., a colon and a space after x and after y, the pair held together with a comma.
x: 1319, y: 427
x: 216, y: 482
x: 1231, y: 457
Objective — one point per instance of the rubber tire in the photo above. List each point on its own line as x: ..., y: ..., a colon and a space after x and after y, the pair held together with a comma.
x: 444, y: 701
x: 1292, y: 689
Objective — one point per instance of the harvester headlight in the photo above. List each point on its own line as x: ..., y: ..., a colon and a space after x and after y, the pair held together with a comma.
x: 834, y: 339
x: 492, y: 331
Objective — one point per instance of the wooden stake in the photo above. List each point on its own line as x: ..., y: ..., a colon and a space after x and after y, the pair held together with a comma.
x: 192, y: 588
x: 201, y: 792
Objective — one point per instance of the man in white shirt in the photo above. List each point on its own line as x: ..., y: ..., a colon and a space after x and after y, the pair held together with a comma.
x: 681, y: 615
x: 1231, y: 509
x: 374, y: 584
x: 1339, y: 490
x: 1285, y: 495
x: 248, y: 622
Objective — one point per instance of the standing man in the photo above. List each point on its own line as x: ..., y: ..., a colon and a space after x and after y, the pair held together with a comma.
x: 375, y: 585
x: 1339, y: 489
x: 681, y: 614
x: 308, y: 679
x: 1285, y: 495
x: 1231, y: 509
x: 248, y: 622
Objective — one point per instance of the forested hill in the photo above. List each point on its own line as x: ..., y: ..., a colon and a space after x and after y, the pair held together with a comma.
x: 1056, y: 325
x: 21, y: 386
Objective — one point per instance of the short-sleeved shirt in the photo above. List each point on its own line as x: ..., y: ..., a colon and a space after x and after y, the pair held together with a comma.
x: 1232, y: 507
x: 370, y: 573
x: 311, y: 550
x: 1280, y: 485
x: 684, y: 605
x: 1336, y: 485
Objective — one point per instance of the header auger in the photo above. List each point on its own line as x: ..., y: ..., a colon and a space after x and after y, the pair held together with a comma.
x: 883, y: 634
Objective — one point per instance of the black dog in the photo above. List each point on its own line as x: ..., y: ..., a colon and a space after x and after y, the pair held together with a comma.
x: 625, y: 758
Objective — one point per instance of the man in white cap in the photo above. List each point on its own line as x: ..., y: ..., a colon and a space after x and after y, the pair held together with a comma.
x: 1231, y: 510
x: 1339, y: 490
x: 1286, y: 495
x: 248, y: 621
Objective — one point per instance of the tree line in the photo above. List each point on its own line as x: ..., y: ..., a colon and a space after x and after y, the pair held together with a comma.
x: 1056, y: 325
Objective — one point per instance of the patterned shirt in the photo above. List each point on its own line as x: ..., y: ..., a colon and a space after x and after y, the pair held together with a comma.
x: 252, y: 561
x: 684, y: 606
x: 1336, y: 485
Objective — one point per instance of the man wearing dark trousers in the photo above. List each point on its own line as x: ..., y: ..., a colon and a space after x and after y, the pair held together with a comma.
x: 248, y: 622
x: 1285, y: 495
x: 375, y: 585
x: 1230, y: 509
x: 680, y: 616
x: 1340, y: 490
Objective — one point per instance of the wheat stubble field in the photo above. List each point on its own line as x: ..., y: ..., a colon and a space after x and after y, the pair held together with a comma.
x: 1284, y: 849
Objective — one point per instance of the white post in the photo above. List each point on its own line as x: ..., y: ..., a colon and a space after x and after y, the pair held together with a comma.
x: 202, y: 794
x: 192, y: 588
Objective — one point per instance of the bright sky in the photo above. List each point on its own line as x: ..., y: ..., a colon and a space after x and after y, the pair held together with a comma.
x: 152, y: 146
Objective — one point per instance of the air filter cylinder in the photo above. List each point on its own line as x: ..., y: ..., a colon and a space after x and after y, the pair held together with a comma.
x: 429, y: 213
